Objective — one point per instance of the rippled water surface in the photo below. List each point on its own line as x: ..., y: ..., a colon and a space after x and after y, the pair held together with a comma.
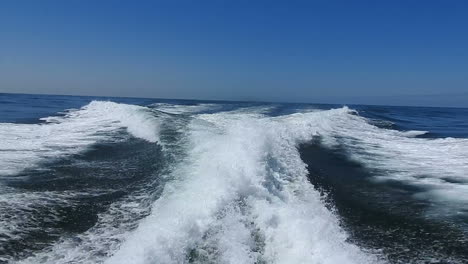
x: 128, y: 180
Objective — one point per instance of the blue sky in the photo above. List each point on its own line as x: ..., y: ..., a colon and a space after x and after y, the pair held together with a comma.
x: 383, y: 52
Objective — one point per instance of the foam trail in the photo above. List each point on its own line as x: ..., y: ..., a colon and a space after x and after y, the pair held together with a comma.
x: 19, y: 209
x: 184, y: 109
x: 24, y: 145
x: 241, y: 196
x: 239, y: 193
x: 113, y: 224
x: 27, y: 145
x: 104, y: 238
x: 438, y: 166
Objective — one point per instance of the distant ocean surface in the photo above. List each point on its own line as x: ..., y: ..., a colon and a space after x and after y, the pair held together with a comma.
x: 127, y: 180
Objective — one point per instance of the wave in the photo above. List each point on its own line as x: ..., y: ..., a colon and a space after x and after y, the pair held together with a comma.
x: 240, y: 193
x: 437, y: 166
x: 240, y: 196
x: 72, y: 133
x: 184, y: 109
x: 27, y: 146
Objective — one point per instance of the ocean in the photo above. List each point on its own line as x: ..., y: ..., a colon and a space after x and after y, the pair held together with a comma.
x: 129, y: 180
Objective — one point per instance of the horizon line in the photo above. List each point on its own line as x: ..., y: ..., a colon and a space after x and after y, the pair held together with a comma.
x: 248, y: 101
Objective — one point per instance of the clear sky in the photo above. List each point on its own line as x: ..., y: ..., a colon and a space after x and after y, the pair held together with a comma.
x: 411, y: 52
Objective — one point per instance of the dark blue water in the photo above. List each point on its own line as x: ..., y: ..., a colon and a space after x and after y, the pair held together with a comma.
x: 74, y: 188
x: 439, y: 121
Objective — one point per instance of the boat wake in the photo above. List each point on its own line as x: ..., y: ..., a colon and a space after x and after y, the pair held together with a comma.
x: 200, y: 185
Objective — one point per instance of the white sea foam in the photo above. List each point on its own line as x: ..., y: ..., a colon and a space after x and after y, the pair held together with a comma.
x: 438, y: 166
x: 94, y: 245
x: 18, y: 211
x: 24, y: 145
x: 241, y: 196
x: 184, y: 109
